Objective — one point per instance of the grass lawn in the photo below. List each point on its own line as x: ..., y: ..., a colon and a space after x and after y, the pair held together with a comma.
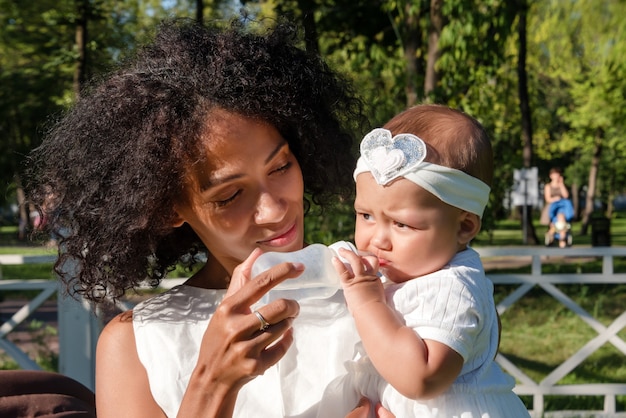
x: 508, y: 233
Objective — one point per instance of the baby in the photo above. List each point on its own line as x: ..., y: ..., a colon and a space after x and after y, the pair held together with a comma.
x: 430, y: 332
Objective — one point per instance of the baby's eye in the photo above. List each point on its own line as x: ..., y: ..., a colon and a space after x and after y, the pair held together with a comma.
x: 365, y: 216
x: 401, y: 225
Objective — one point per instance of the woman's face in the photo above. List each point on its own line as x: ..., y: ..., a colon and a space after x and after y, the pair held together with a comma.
x: 555, y: 176
x: 247, y: 193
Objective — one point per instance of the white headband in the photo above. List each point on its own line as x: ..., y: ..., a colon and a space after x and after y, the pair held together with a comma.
x: 388, y: 158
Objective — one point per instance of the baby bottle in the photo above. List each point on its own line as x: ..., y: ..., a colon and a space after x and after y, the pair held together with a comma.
x: 319, y: 280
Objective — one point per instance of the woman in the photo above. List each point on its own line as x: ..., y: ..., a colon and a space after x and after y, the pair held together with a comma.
x: 206, y: 142
x: 559, y: 208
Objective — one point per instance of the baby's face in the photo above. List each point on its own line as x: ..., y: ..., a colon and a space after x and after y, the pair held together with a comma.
x: 412, y: 232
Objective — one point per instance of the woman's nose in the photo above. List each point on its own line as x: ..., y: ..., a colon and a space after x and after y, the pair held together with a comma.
x: 270, y: 208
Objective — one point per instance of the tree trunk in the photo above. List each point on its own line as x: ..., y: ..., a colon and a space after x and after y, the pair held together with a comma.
x: 411, y: 46
x: 81, y: 46
x: 307, y: 8
x: 527, y: 130
x: 574, y: 195
x: 200, y: 11
x: 434, y: 32
x: 591, y: 186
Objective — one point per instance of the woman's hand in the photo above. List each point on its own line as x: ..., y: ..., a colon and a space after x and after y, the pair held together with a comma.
x: 234, y: 348
x: 558, y: 180
x: 362, y: 410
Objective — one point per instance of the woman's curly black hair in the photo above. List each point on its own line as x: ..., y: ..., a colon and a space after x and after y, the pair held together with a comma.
x: 108, y: 174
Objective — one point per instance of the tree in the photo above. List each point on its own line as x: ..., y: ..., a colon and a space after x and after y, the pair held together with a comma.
x: 526, y: 122
x: 580, y: 46
x: 437, y: 23
x: 34, y: 79
x: 48, y: 51
x: 408, y: 20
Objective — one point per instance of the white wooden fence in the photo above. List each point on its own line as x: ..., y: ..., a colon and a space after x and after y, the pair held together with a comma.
x: 524, y: 283
x: 79, y: 327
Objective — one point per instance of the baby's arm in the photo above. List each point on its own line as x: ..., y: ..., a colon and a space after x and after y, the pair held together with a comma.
x: 417, y: 368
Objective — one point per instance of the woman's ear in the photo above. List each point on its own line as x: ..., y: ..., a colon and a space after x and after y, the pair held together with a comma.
x: 177, y: 220
x: 468, y: 228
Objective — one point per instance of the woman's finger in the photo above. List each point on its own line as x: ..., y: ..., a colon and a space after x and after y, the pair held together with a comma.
x: 242, y: 273
x: 267, y: 346
x: 254, y: 288
x: 282, y: 337
x: 266, y: 317
x: 381, y: 412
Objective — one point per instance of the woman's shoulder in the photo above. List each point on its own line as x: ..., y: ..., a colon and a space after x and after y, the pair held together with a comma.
x: 117, y: 338
x: 119, y: 328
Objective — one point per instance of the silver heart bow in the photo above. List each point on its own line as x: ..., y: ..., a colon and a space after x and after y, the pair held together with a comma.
x: 389, y: 157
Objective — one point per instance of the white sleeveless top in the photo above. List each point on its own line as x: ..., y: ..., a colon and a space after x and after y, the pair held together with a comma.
x: 169, y: 328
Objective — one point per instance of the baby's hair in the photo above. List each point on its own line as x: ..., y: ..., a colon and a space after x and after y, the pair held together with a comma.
x: 108, y: 175
x: 453, y: 138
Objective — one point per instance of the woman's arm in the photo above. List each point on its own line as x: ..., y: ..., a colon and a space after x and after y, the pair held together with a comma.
x: 122, y: 388
x: 547, y: 194
x: 417, y: 368
x: 563, y: 189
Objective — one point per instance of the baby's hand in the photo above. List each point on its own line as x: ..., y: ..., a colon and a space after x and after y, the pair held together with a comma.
x: 360, y: 281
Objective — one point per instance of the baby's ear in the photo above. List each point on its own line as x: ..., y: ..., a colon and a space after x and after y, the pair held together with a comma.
x: 469, y: 227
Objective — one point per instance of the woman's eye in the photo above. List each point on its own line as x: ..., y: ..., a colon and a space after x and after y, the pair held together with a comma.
x: 283, y: 168
x: 224, y: 202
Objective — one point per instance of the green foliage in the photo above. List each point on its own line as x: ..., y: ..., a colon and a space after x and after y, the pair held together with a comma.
x: 578, y: 69
x: 330, y: 226
x: 473, y: 43
x: 38, y: 59
x: 34, y: 77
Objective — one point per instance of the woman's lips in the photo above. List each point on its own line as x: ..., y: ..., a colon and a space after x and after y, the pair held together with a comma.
x: 283, y: 239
